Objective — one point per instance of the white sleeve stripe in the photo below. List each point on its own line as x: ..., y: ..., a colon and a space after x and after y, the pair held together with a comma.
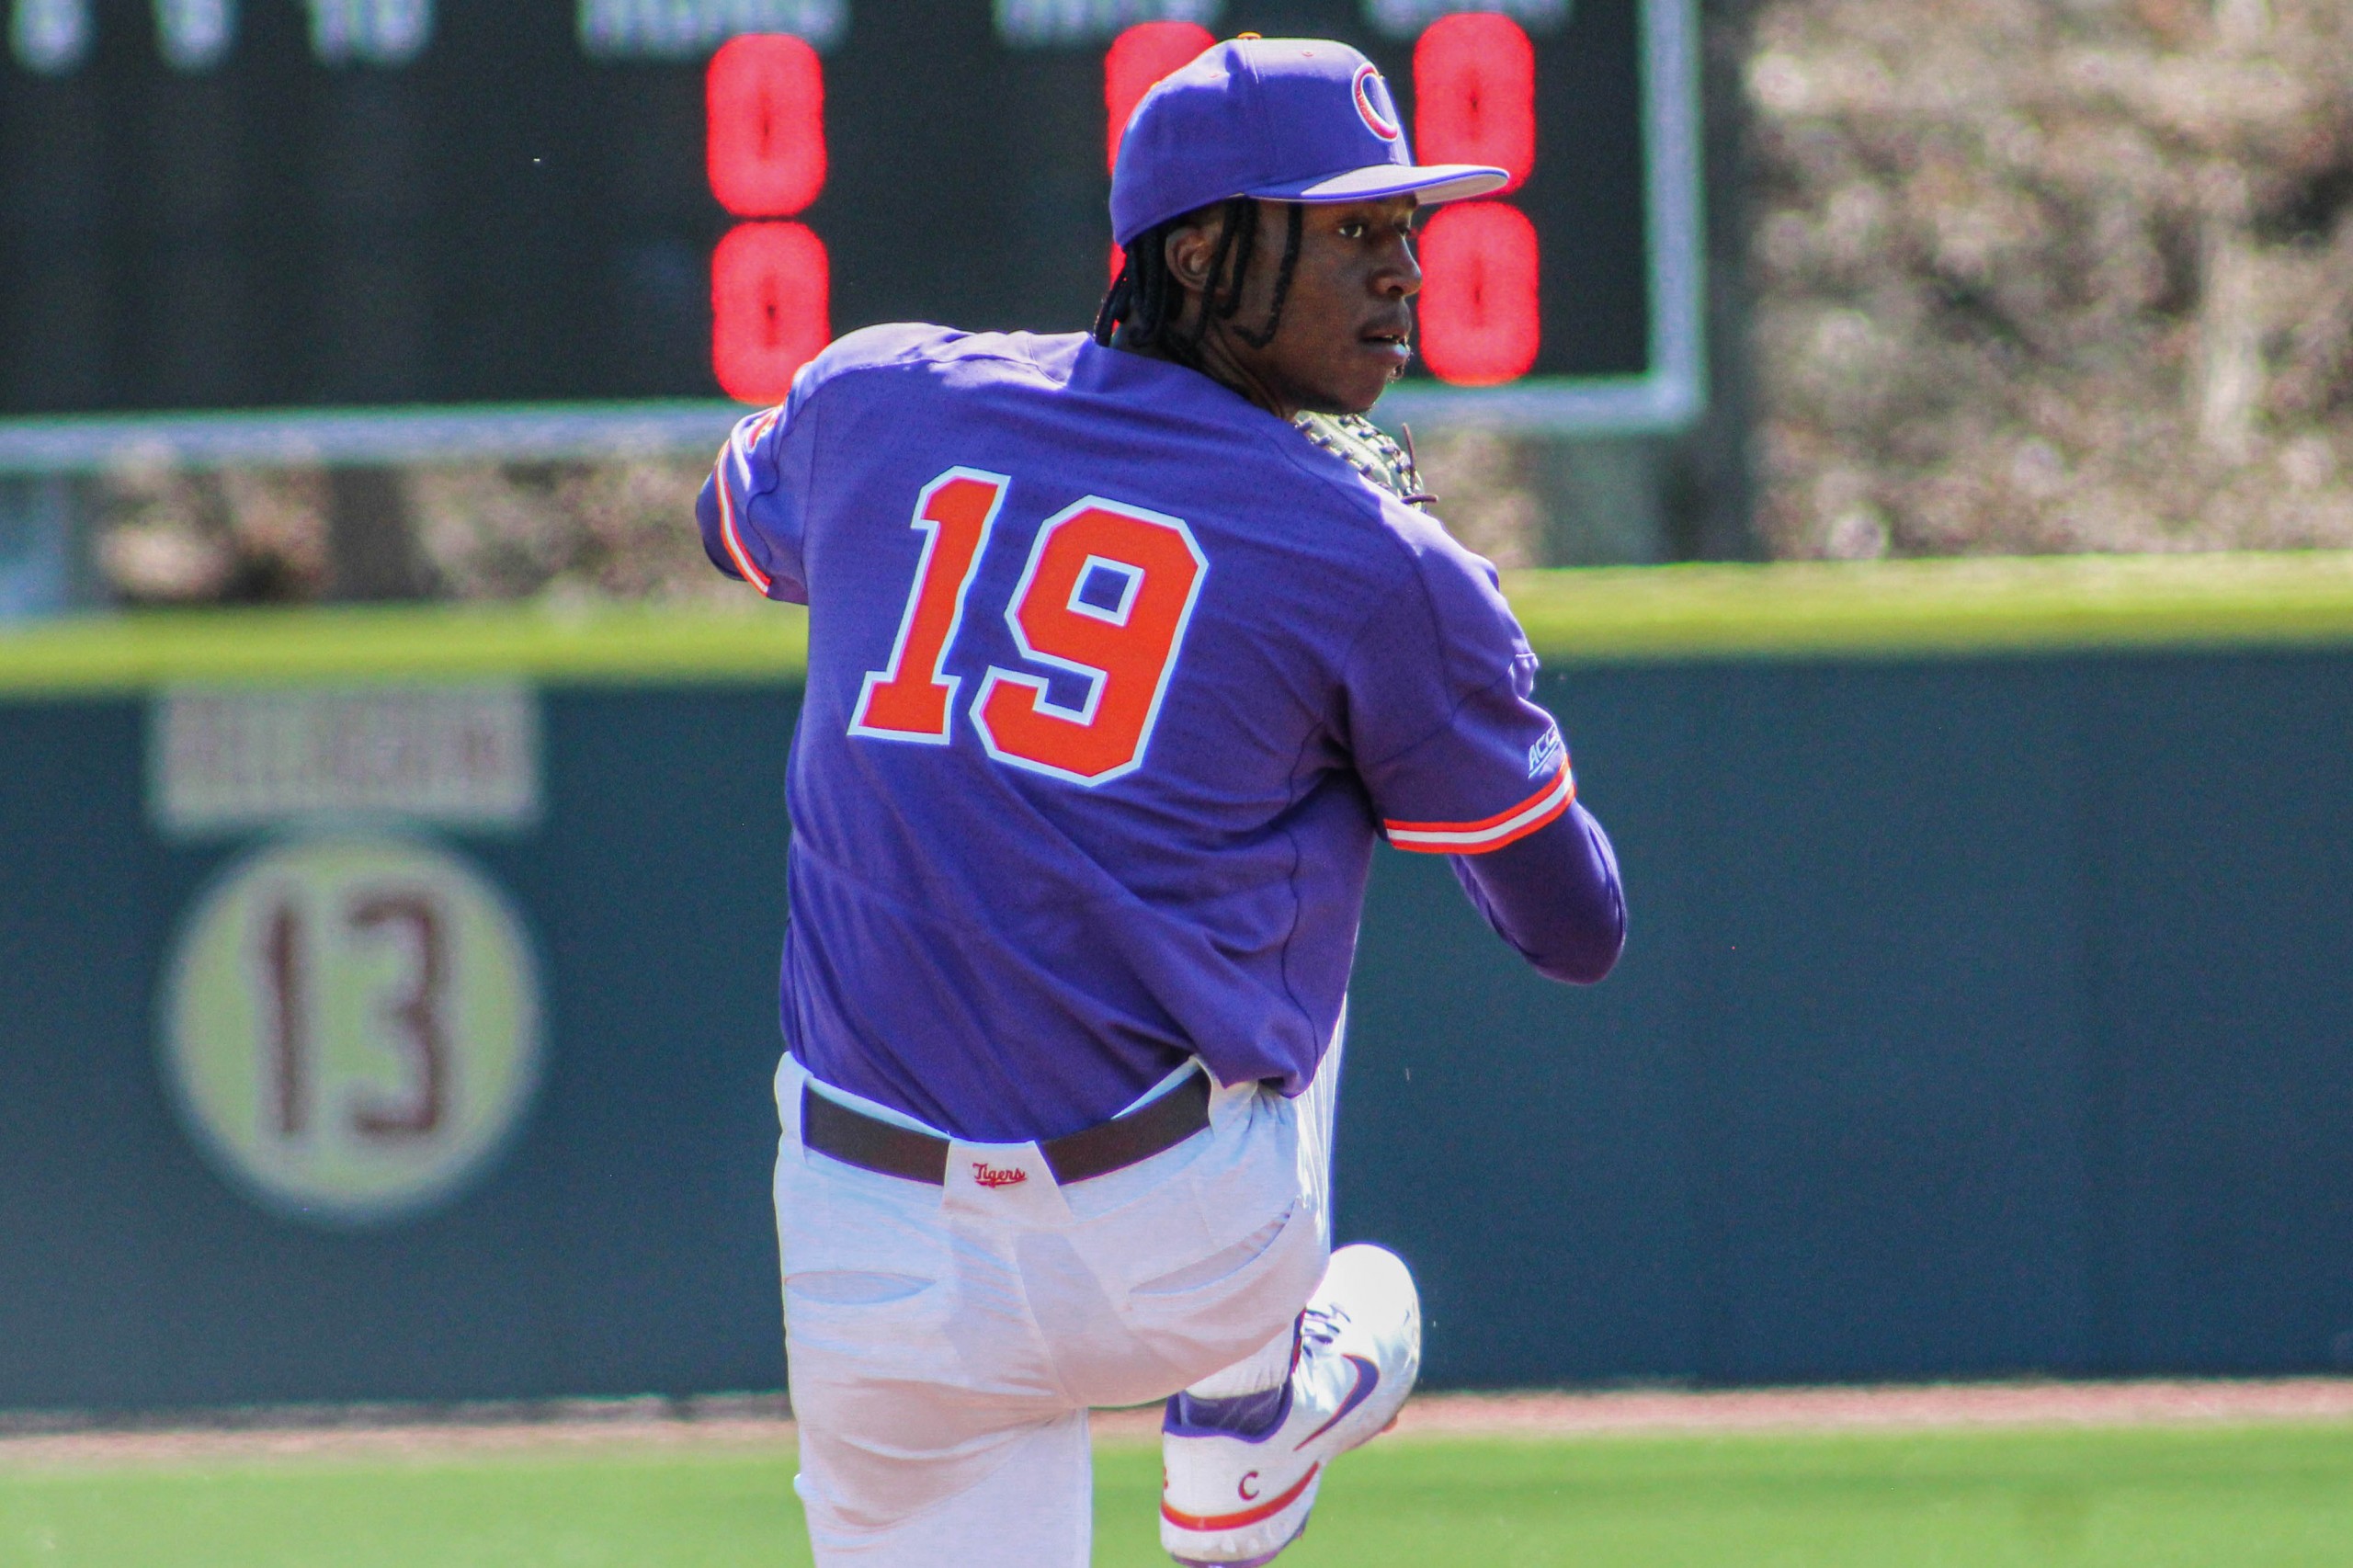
x: 734, y: 543
x: 1493, y: 835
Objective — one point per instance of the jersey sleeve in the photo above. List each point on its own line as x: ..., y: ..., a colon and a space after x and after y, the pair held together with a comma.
x: 750, y: 529
x: 1458, y: 757
x: 752, y: 508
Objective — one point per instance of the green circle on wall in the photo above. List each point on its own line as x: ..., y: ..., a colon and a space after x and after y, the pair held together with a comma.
x: 351, y: 1025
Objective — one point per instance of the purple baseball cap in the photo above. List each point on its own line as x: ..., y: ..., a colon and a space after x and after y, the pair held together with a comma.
x: 1280, y: 119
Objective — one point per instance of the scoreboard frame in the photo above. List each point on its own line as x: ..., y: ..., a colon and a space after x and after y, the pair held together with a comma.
x: 1668, y: 396
x: 1672, y: 393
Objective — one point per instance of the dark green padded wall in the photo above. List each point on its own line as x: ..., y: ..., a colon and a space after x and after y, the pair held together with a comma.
x: 1981, y: 1015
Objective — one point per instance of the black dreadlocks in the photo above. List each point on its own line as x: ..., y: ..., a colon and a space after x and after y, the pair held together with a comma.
x: 1146, y: 297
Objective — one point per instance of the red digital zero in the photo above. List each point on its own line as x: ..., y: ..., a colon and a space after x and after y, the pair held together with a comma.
x: 1475, y: 94
x: 764, y: 95
x: 771, y: 293
x: 1478, y: 303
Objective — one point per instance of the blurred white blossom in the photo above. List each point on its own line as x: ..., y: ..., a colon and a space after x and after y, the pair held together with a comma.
x: 2053, y: 277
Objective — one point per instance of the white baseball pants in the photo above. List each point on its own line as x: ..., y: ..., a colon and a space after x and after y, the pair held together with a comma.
x: 944, y: 1343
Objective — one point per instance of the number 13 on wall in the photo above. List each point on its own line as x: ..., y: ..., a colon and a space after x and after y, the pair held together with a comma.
x: 1106, y: 596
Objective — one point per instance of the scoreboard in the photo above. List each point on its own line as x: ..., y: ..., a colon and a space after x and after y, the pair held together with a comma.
x: 360, y: 230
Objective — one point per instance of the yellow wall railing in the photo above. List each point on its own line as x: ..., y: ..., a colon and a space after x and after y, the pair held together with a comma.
x: 1871, y: 610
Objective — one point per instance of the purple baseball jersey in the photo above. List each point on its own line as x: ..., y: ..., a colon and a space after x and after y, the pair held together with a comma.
x: 1115, y: 680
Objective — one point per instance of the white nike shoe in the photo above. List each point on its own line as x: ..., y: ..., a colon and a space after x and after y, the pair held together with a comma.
x: 1236, y: 1501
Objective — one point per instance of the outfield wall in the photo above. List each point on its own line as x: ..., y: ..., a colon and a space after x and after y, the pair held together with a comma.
x: 1986, y: 1011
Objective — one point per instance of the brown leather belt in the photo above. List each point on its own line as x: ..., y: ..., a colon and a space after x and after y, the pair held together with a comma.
x: 857, y: 1138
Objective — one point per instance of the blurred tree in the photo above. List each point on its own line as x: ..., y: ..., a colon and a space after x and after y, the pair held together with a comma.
x: 2053, y: 275
x: 619, y: 529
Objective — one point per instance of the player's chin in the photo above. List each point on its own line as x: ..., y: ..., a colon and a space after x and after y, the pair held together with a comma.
x: 1356, y: 389
x: 1383, y: 362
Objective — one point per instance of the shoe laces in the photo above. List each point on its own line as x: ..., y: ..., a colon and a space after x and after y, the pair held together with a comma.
x: 1322, y: 1325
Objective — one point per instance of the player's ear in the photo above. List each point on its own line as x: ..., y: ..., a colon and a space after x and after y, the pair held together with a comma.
x: 1190, y: 250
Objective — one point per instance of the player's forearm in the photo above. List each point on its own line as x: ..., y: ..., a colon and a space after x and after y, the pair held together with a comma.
x: 1555, y: 897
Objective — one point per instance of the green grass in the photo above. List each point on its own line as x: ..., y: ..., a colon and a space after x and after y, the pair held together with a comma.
x: 1910, y: 609
x: 1879, y: 610
x: 2258, y: 1497
x: 97, y: 654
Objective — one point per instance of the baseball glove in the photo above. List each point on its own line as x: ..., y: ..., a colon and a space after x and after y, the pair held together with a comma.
x: 1368, y: 449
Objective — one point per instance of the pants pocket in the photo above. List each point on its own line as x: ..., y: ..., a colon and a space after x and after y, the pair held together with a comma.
x: 853, y: 1287
x: 1206, y: 1316
x: 1220, y: 1265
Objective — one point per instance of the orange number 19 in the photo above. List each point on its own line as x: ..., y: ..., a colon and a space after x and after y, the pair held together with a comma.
x: 1106, y: 596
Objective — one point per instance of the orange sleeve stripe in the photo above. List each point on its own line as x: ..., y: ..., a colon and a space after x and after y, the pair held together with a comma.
x: 728, y: 535
x: 1489, y: 833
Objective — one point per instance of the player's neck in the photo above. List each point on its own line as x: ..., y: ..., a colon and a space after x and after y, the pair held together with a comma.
x: 1216, y: 359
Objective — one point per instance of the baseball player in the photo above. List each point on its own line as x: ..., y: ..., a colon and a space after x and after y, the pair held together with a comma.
x: 1125, y: 649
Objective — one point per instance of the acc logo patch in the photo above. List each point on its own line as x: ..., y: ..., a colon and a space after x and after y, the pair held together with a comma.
x: 1374, y: 103
x: 1546, y: 755
x: 351, y: 1026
